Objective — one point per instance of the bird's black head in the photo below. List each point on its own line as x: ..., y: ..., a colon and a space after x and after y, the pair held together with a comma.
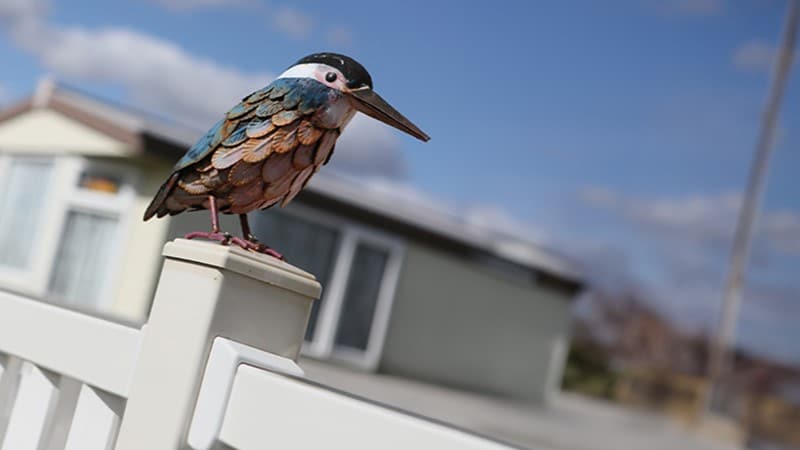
x: 347, y: 76
x: 357, y: 76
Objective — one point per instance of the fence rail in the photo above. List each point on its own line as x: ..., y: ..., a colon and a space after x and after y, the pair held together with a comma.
x: 213, y: 367
x: 311, y: 417
x: 90, y: 349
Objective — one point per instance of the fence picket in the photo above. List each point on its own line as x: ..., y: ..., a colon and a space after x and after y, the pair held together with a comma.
x: 68, y: 388
x: 9, y: 383
x: 56, y: 434
x: 32, y: 409
x: 96, y: 421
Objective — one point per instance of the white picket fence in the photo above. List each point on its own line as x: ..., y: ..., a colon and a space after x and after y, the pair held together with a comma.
x: 213, y: 368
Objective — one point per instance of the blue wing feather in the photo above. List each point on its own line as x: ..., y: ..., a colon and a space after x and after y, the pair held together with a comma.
x: 304, y: 93
x: 202, y: 147
x: 255, y: 113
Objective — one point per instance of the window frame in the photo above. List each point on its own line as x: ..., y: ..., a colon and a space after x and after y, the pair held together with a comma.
x: 117, y: 205
x: 64, y: 194
x: 322, y: 344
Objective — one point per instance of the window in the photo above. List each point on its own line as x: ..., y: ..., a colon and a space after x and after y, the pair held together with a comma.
x: 306, y: 244
x: 22, y: 201
x: 60, y: 226
x: 83, y: 259
x: 82, y: 268
x: 358, y: 269
x: 92, y: 180
x: 361, y: 297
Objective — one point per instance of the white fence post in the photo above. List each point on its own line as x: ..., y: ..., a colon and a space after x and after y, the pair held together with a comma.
x: 207, y: 290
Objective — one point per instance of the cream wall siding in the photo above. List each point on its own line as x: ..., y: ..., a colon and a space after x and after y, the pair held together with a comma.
x: 141, y: 259
x: 138, y: 260
x: 47, y: 131
x: 456, y: 323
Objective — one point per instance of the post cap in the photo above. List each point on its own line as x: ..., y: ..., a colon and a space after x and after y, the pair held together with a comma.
x: 247, y: 263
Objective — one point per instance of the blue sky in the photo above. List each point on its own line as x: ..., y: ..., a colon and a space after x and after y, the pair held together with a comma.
x: 618, y: 132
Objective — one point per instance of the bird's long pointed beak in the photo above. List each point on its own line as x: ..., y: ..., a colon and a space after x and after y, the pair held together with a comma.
x: 370, y: 103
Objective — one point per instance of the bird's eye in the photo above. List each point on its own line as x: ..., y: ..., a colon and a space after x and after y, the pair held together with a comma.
x: 330, y: 77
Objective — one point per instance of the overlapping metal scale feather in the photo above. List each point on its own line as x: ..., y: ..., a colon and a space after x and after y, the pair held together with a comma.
x: 303, y: 95
x: 252, y: 139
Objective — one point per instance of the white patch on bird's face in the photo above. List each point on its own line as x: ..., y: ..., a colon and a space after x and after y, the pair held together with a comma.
x: 319, y: 72
x: 301, y: 71
x: 336, y: 114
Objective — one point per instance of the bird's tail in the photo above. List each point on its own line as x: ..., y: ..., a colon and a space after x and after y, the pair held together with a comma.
x: 161, y: 196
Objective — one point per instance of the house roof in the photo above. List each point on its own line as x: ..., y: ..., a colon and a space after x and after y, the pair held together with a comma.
x: 145, y: 131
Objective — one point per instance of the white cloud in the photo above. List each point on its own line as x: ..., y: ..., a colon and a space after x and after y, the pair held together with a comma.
x: 500, y: 220
x: 339, y: 36
x: 754, y: 56
x: 699, y: 219
x: 188, y: 5
x: 695, y: 217
x: 289, y: 21
x: 368, y: 146
x: 162, y: 76
x: 508, y: 234
x: 14, y: 11
x: 159, y: 74
x: 782, y: 229
x: 403, y: 191
x: 292, y: 22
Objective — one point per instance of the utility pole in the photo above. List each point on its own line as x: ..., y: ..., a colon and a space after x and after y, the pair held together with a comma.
x: 720, y: 355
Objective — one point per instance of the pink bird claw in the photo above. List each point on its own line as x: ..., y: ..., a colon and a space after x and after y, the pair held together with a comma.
x: 268, y: 251
x: 227, y: 239
x: 222, y: 238
x: 248, y: 243
x: 254, y: 245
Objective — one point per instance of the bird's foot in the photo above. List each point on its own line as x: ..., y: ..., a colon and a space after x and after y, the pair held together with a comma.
x: 222, y: 238
x: 253, y: 244
x: 227, y: 239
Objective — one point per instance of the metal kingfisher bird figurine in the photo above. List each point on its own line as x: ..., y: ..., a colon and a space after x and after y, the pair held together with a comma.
x: 266, y: 148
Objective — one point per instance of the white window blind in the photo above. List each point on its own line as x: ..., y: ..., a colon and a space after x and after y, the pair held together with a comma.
x: 22, y: 200
x: 82, y: 263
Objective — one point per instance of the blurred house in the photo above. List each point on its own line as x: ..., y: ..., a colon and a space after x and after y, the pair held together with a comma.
x: 409, y: 291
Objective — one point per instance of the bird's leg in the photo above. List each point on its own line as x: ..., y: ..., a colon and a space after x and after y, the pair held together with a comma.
x: 212, y: 207
x: 250, y: 242
x: 246, y: 228
x: 215, y: 234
